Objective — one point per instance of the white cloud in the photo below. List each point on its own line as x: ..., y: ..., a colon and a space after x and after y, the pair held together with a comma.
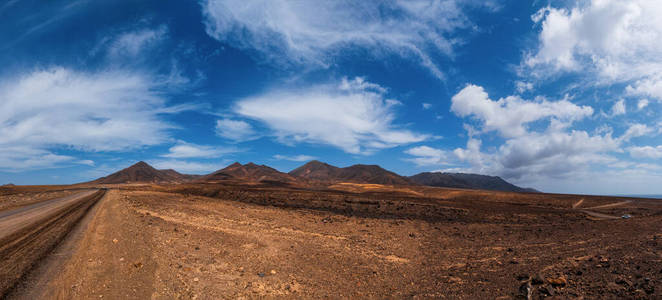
x: 58, y: 107
x: 523, y: 87
x: 352, y: 115
x: 642, y: 104
x: 187, y: 167
x: 509, y: 115
x: 427, y: 105
x: 635, y: 130
x: 236, y: 130
x: 618, y: 108
x: 645, y: 152
x: 649, y: 87
x: 556, y: 151
x: 130, y: 44
x: 618, y: 40
x: 313, y: 32
x: 188, y: 150
x: 426, y: 156
x: 294, y: 158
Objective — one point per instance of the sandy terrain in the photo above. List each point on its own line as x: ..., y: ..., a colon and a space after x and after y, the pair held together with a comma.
x: 253, y: 242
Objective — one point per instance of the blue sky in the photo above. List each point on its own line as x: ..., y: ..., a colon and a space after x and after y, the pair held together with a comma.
x: 562, y: 96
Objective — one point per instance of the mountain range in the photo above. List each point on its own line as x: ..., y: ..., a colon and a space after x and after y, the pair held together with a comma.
x: 311, y: 173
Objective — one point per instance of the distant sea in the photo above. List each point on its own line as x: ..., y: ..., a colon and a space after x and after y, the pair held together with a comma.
x: 642, y: 196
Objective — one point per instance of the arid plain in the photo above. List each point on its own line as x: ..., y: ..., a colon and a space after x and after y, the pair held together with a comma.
x: 234, y: 235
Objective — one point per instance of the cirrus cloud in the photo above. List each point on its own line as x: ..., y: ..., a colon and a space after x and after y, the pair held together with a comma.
x: 313, y: 32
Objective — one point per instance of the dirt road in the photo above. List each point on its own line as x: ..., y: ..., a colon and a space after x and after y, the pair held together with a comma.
x: 30, y: 232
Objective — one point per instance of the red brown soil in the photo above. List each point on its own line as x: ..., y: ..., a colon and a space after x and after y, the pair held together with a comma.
x: 216, y: 241
x: 27, y: 234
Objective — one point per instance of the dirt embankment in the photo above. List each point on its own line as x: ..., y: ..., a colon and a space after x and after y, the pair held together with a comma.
x: 29, y: 233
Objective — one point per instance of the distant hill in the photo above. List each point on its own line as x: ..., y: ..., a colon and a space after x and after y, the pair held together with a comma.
x: 467, y: 181
x: 319, y: 171
x: 180, y: 176
x: 248, y: 172
x: 142, y: 172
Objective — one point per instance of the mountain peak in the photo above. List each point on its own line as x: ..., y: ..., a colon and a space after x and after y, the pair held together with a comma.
x: 141, y: 164
x: 141, y: 172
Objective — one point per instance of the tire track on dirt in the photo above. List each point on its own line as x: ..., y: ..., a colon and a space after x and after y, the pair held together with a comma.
x: 29, y: 234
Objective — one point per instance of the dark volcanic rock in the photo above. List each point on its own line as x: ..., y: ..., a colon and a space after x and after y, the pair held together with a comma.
x: 319, y: 171
x: 466, y: 181
x: 248, y: 172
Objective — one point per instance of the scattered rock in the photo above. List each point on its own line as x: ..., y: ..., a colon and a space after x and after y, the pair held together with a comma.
x: 273, y: 272
x: 558, y: 281
x: 546, y: 291
x: 537, y: 280
x: 138, y: 265
x: 525, y: 289
x: 261, y: 274
x: 521, y: 277
x: 196, y: 279
x: 115, y: 241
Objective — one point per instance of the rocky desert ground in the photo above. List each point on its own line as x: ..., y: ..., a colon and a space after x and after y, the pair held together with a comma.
x: 233, y: 241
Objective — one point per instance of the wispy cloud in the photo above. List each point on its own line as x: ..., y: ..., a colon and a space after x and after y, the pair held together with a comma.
x: 313, y: 32
x: 299, y: 158
x: 187, y: 150
x: 353, y: 115
x: 60, y: 107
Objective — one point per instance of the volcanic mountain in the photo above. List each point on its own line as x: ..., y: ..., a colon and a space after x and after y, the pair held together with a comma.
x: 319, y: 171
x: 143, y: 172
x: 248, y: 172
x: 467, y: 181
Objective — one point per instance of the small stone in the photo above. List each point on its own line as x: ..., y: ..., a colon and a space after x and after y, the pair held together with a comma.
x: 273, y: 272
x: 121, y: 258
x: 196, y: 279
x: 115, y: 241
x: 260, y: 274
x: 559, y: 281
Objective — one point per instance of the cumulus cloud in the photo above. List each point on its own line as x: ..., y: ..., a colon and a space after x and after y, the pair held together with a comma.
x: 642, y: 104
x: 236, y: 130
x: 299, y: 158
x: 427, y: 105
x: 353, y: 115
x: 648, y: 87
x: 616, y: 40
x: 59, y: 107
x: 645, y: 152
x: 426, y: 156
x: 553, y: 152
x: 187, y: 150
x: 313, y: 32
x: 509, y: 116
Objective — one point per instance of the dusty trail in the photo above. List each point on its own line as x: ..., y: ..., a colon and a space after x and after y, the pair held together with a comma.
x: 610, y: 205
x: 578, y: 203
x: 14, y: 220
x: 29, y: 233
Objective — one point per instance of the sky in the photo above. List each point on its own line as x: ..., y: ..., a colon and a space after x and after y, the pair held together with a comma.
x: 562, y: 96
